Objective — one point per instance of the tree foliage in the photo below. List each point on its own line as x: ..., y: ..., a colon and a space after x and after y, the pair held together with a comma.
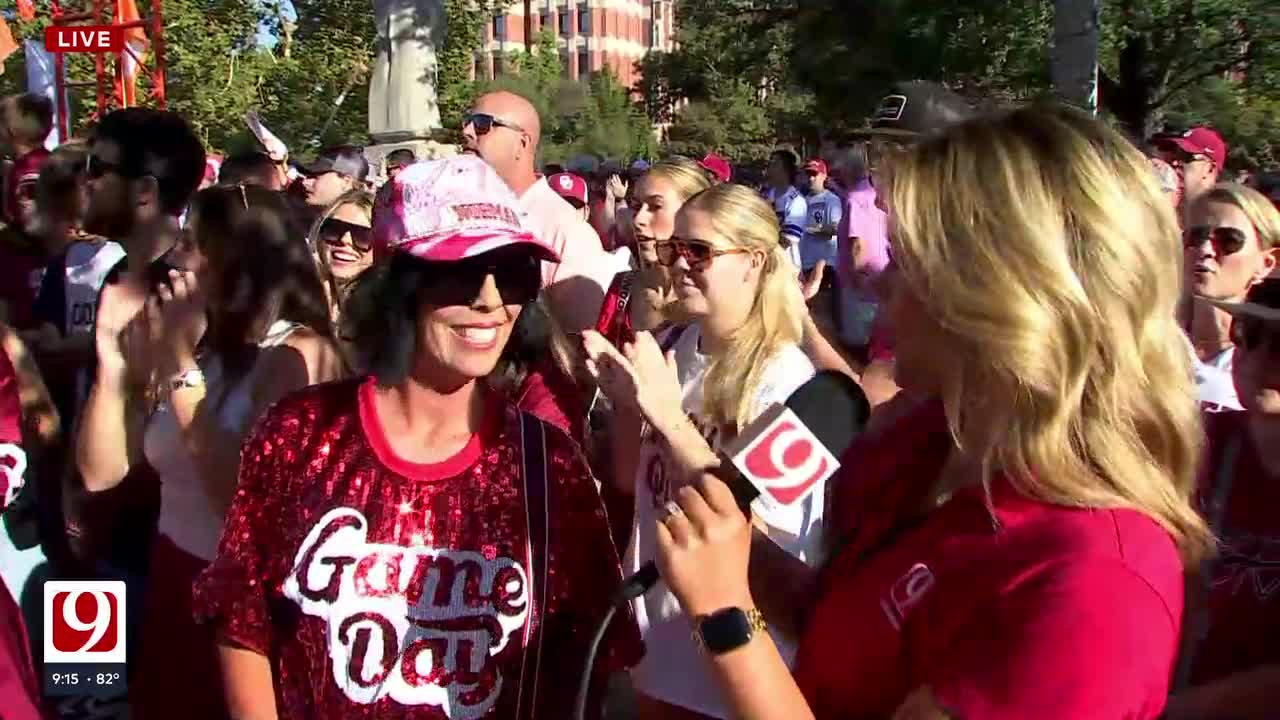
x: 597, y: 118
x: 822, y: 65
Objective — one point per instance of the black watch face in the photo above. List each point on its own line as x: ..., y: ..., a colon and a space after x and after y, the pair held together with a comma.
x: 726, y: 630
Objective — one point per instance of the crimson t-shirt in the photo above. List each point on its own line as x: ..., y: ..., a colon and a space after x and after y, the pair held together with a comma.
x: 1243, y: 630
x: 1005, y: 607
x: 382, y: 588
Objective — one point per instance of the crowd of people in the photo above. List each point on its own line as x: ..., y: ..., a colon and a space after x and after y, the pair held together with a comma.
x: 386, y: 447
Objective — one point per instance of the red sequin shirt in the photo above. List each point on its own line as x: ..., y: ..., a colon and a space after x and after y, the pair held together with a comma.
x: 381, y: 588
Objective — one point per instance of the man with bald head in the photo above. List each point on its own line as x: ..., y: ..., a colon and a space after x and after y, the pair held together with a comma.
x: 503, y: 129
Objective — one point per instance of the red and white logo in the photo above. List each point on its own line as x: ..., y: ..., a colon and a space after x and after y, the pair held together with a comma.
x: 906, y: 593
x: 84, y: 621
x: 783, y: 459
x: 83, y: 38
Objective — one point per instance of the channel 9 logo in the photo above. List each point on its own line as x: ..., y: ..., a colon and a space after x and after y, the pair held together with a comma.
x: 84, y: 621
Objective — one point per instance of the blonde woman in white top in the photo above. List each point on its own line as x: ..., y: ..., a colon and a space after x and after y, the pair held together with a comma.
x: 740, y: 354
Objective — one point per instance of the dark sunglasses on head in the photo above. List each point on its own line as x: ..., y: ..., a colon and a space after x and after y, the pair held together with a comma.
x: 518, y: 278
x: 698, y: 253
x: 1252, y: 333
x: 1226, y: 240
x: 333, y: 230
x: 484, y: 122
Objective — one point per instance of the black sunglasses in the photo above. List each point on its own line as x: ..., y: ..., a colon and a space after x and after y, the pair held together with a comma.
x: 698, y: 253
x: 517, y: 277
x: 1253, y: 333
x: 333, y: 230
x: 484, y: 122
x: 1226, y: 240
x: 95, y: 167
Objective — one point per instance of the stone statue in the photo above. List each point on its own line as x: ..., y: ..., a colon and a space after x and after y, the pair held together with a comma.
x: 402, y: 89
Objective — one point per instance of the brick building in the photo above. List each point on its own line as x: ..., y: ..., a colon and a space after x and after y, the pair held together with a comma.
x: 591, y: 34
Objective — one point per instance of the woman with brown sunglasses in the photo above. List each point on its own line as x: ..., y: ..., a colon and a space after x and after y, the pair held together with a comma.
x: 741, y: 353
x: 1231, y: 242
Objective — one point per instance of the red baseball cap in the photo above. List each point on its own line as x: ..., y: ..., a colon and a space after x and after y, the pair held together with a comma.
x: 571, y: 187
x: 717, y: 166
x: 1203, y: 141
x: 818, y: 166
x: 449, y: 210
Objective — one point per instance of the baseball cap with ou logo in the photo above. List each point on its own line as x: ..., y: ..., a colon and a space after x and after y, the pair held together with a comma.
x: 1203, y: 141
x: 570, y: 187
x: 450, y: 210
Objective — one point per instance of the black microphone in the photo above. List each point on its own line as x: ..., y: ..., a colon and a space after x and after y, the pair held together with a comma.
x: 832, y: 408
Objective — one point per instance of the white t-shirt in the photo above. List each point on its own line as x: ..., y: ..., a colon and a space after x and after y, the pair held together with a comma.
x: 1213, y: 380
x: 186, y: 513
x: 823, y: 208
x: 673, y: 670
x: 793, y: 214
x: 87, y: 266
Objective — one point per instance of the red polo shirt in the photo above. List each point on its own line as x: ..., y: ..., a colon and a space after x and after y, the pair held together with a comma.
x: 1004, y: 606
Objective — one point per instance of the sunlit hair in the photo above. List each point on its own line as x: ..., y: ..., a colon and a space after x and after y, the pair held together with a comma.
x: 336, y: 291
x: 743, y: 219
x: 684, y: 175
x: 1041, y: 243
x: 1255, y: 206
x: 261, y: 272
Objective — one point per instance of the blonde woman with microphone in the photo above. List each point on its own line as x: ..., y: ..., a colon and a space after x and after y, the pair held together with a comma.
x: 1015, y: 548
x: 740, y: 354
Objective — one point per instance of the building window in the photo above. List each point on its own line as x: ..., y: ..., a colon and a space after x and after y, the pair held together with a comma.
x: 499, y: 27
x: 584, y: 65
x: 584, y: 19
x: 564, y: 63
x: 564, y: 21
x: 496, y: 57
x: 544, y: 18
x: 651, y: 33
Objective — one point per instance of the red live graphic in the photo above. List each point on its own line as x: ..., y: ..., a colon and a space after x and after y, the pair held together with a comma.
x: 83, y: 38
x: 85, y: 621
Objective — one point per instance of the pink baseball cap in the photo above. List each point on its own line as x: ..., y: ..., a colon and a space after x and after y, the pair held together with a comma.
x: 1203, y: 141
x: 717, y: 166
x: 571, y: 187
x: 449, y: 210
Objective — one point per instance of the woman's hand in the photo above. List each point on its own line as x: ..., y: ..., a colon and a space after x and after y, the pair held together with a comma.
x: 178, y: 310
x: 704, y: 544
x: 641, y: 376
x: 812, y: 283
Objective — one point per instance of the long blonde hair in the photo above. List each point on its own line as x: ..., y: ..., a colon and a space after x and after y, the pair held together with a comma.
x: 1041, y: 243
x: 1255, y: 206
x: 777, y: 313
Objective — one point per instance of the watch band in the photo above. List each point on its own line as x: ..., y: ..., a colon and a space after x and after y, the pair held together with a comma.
x: 727, y: 629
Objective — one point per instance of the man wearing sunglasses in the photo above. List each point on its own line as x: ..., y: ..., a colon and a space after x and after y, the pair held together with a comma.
x: 335, y: 171
x: 142, y: 168
x: 503, y: 129
x: 1199, y: 155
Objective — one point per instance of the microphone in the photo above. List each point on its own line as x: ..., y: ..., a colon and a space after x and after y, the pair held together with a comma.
x: 784, y: 454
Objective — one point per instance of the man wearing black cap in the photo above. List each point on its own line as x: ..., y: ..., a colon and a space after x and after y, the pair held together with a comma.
x: 335, y: 171
x: 912, y: 111
x: 397, y: 160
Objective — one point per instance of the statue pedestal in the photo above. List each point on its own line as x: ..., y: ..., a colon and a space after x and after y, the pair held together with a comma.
x: 423, y: 149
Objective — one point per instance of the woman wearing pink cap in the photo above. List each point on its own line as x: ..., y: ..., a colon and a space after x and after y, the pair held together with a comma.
x: 409, y: 544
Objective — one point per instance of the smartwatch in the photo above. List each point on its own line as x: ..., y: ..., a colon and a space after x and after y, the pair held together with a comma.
x: 728, y: 629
